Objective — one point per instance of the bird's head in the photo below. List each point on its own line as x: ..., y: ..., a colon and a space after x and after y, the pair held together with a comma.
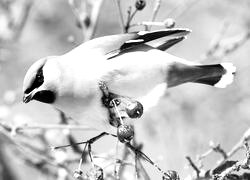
x: 40, y: 81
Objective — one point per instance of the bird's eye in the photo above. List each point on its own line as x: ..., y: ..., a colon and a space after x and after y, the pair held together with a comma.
x: 39, y: 79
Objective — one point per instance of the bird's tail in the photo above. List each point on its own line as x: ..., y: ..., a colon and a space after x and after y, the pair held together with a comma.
x: 218, y: 75
x: 221, y: 80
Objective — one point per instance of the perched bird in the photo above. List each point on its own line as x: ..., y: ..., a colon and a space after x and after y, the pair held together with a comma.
x: 132, y: 65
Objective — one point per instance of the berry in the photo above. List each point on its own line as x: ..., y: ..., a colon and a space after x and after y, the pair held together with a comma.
x: 87, y: 21
x: 125, y: 133
x: 95, y: 173
x: 170, y: 175
x: 140, y: 4
x: 116, y: 101
x: 135, y: 110
x: 77, y: 174
x: 169, y: 23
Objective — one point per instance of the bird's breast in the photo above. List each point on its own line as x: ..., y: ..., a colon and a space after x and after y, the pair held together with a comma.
x: 86, y: 110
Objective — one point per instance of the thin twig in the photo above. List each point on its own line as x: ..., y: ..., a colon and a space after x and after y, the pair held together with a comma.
x: 142, y: 170
x: 47, y: 126
x: 217, y: 148
x: 193, y: 166
x: 124, y: 158
x: 239, y: 165
x: 16, y: 26
x: 182, y: 8
x: 90, y: 29
x: 155, y: 12
x: 33, y: 158
x: 204, y: 155
x: 7, y: 171
x: 238, y: 146
x: 215, y: 42
x: 120, y: 14
x: 147, y: 23
x: 23, y: 19
x: 94, y: 19
x: 127, y: 26
x: 137, y: 175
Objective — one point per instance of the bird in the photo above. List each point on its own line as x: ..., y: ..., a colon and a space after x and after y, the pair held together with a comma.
x: 133, y: 65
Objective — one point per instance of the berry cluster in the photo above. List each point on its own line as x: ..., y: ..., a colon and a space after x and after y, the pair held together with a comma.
x: 120, y: 109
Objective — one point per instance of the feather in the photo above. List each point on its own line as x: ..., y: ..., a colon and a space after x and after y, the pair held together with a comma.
x: 143, y: 37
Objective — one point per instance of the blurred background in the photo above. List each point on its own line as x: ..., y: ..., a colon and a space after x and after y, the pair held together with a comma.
x: 187, y: 118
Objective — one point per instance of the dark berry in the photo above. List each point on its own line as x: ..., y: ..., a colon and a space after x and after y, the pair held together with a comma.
x: 87, y: 21
x: 135, y: 110
x: 77, y: 174
x: 95, y: 173
x: 125, y: 133
x: 140, y: 4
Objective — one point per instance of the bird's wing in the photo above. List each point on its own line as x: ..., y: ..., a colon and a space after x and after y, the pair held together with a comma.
x: 115, y: 44
x: 160, y: 39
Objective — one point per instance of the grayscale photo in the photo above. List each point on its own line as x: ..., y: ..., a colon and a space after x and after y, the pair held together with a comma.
x: 124, y: 90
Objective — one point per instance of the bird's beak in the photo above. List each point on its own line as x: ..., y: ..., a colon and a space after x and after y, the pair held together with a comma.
x: 28, y: 97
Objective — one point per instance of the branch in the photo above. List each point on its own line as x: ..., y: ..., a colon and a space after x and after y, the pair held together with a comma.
x: 22, y: 19
x: 94, y: 19
x: 7, y: 172
x: 46, y: 127
x: 16, y: 24
x: 182, y: 8
x: 120, y: 14
x: 167, y: 23
x: 196, y: 169
x: 220, y: 47
x: 238, y: 146
x: 155, y: 12
x: 87, y: 21
x: 237, y: 166
x: 34, y: 159
x: 214, y: 44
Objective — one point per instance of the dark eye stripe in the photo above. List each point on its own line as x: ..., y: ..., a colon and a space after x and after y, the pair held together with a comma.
x: 45, y: 96
x: 37, y: 82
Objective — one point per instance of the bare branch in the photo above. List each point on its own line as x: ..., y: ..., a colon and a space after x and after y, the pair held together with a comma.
x: 155, y: 12
x: 196, y: 169
x: 17, y: 22
x: 94, y: 19
x: 47, y: 127
x: 220, y: 47
x: 215, y: 42
x: 7, y: 172
x: 87, y: 21
x: 22, y: 19
x: 217, y: 148
x: 120, y: 14
x: 182, y: 8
